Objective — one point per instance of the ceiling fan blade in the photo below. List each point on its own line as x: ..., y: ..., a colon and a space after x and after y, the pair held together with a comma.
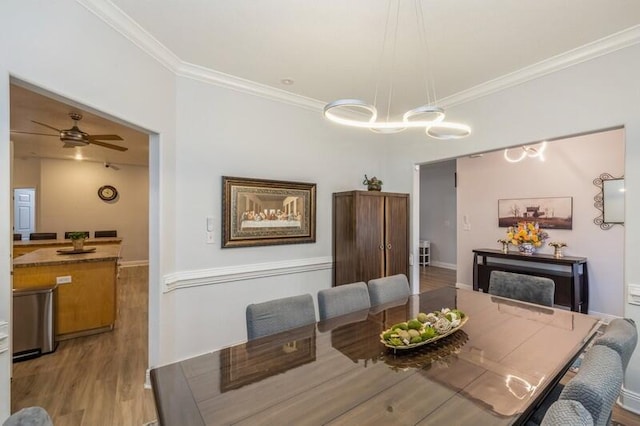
x: 108, y: 145
x: 45, y: 125
x: 105, y: 137
x: 34, y: 133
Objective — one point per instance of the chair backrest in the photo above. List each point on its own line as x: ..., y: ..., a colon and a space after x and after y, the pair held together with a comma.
x: 387, y: 289
x: 621, y: 335
x: 30, y: 416
x: 278, y: 315
x: 67, y: 233
x: 567, y: 413
x: 527, y: 288
x: 17, y: 237
x: 43, y: 236
x: 103, y: 234
x: 343, y: 299
x: 597, y: 384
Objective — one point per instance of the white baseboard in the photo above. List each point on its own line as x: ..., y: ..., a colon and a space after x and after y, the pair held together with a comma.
x: 464, y: 286
x: 438, y: 264
x: 629, y: 400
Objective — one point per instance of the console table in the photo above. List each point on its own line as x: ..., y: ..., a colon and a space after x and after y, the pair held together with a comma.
x: 572, y: 281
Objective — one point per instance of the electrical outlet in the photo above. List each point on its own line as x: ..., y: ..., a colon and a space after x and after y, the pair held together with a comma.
x: 210, y: 238
x: 66, y: 279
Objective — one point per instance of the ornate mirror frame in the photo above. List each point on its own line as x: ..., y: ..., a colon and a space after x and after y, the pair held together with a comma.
x: 611, y: 194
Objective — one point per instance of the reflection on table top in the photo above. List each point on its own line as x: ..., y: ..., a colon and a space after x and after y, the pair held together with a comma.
x: 492, y: 371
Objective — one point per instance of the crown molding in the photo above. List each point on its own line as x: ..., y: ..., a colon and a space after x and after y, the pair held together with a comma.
x: 122, y: 23
x: 229, y: 81
x: 205, y: 277
x: 113, y: 16
x: 604, y: 46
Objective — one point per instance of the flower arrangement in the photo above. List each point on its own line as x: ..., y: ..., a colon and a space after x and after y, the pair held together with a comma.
x: 526, y: 232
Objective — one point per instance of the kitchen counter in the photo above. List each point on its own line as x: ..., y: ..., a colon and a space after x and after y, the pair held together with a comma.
x: 50, y: 255
x: 85, y: 300
x: 26, y: 246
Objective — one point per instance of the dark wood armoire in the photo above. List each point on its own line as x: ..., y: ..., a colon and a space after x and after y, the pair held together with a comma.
x: 370, y: 235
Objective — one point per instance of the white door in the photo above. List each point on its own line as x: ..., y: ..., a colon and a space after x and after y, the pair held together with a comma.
x: 24, y: 211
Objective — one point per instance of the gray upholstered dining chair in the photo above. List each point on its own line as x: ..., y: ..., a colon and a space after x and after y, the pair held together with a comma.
x: 30, y: 416
x: 343, y: 299
x: 567, y: 413
x: 278, y: 315
x: 597, y: 384
x: 527, y: 288
x: 386, y: 289
x: 621, y: 335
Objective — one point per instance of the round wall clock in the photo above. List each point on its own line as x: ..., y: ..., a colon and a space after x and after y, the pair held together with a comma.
x: 107, y: 193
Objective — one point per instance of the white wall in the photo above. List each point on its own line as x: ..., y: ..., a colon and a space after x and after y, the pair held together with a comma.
x: 438, y: 211
x: 69, y: 201
x: 569, y: 169
x: 26, y: 173
x: 224, y: 133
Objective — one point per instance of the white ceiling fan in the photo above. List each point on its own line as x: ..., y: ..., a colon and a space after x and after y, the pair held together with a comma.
x: 75, y: 137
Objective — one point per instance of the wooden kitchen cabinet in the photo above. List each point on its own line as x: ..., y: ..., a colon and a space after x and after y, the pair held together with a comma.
x: 370, y: 235
x: 85, y: 300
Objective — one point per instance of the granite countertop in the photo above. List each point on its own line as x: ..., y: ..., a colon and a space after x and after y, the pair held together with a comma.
x: 87, y: 242
x: 50, y: 256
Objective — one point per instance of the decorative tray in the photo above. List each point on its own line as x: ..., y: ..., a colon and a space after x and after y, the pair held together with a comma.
x: 74, y: 251
x: 429, y: 328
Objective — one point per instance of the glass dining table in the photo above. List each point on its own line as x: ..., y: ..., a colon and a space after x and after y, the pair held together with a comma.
x: 493, y: 371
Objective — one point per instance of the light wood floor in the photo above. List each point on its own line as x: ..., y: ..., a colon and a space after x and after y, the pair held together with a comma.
x: 432, y: 277
x: 95, y: 380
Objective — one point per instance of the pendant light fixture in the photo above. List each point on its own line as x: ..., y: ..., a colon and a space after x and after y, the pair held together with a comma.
x: 358, y: 113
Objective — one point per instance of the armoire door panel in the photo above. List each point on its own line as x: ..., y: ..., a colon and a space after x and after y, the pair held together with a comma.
x: 397, y: 235
x: 370, y: 236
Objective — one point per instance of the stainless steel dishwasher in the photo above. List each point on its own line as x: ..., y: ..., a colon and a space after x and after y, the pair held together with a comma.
x: 33, y: 322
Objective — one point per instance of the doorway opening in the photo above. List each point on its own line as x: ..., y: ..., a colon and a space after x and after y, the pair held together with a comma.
x: 66, y: 182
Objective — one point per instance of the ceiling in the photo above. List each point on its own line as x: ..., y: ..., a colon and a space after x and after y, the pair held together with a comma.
x: 332, y: 49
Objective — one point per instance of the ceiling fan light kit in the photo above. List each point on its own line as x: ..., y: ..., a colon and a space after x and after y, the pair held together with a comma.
x: 361, y: 114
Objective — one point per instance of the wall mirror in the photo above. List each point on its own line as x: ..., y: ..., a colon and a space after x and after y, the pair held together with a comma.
x: 609, y: 201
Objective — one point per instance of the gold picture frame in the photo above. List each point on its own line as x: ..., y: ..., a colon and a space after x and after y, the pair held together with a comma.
x: 257, y: 212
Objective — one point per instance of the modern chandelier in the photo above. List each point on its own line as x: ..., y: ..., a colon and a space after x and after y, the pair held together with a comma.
x: 360, y: 114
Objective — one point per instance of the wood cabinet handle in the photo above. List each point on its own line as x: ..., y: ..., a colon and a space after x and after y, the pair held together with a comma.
x: 381, y: 246
x: 388, y: 246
